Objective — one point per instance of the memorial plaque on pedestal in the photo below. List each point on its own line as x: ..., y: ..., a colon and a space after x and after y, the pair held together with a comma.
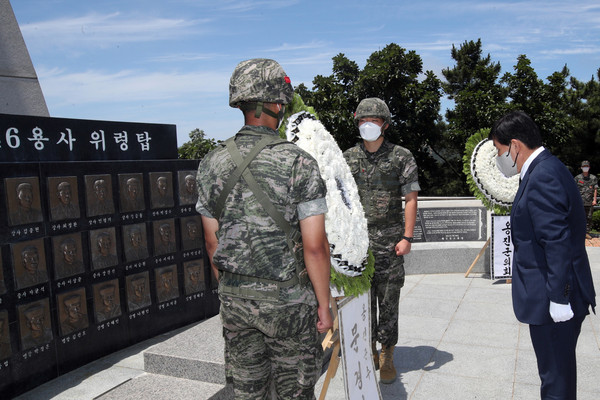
x: 452, y: 224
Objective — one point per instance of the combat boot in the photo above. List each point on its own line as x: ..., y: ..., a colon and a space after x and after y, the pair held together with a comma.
x: 375, y: 355
x: 387, y: 374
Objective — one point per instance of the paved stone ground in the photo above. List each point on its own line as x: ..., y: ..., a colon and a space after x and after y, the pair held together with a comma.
x: 592, y: 242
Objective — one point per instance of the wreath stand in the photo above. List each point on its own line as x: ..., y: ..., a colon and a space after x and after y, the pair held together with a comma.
x: 487, y: 243
x: 332, y: 339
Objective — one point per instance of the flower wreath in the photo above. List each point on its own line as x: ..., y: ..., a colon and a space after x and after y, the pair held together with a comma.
x: 352, y: 264
x: 485, y: 180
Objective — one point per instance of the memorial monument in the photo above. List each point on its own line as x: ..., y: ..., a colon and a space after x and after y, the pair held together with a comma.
x: 91, y: 255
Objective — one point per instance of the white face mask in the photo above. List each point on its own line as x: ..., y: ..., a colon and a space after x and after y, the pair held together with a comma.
x: 506, y: 165
x: 585, y: 169
x: 369, y: 131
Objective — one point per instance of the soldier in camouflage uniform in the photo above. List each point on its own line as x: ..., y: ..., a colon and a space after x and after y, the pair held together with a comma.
x: 384, y: 172
x: 273, y: 286
x: 588, y: 187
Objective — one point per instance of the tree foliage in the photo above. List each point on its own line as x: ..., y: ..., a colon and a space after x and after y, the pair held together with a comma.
x: 566, y: 110
x: 197, y: 147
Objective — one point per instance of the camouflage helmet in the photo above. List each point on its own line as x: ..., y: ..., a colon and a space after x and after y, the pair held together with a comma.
x: 259, y: 80
x: 373, y: 107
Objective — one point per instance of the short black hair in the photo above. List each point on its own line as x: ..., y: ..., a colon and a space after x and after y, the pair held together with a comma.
x: 516, y: 125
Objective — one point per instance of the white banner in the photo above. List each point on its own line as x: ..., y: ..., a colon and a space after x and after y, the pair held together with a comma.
x: 360, y: 380
x: 502, y: 248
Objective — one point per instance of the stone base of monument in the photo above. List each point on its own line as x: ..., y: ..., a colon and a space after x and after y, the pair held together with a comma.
x: 189, y: 362
x: 447, y: 258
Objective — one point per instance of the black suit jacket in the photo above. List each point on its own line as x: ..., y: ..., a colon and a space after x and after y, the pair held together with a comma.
x: 550, y: 262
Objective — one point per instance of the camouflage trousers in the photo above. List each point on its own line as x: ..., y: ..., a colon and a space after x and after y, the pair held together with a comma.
x: 386, y: 283
x: 273, y: 351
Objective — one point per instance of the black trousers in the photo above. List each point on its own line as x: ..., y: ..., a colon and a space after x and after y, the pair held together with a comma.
x: 554, y: 346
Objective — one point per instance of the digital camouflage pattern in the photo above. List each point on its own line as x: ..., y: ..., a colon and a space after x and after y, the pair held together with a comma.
x: 386, y: 283
x: 269, y: 344
x: 259, y: 80
x: 281, y: 338
x: 586, y: 187
x: 250, y: 242
x: 382, y: 179
x: 373, y: 107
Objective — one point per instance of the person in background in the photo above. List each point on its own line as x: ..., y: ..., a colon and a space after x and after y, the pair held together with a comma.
x: 588, y: 187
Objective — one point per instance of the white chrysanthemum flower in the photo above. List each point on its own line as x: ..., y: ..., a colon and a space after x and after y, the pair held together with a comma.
x: 345, y: 222
x: 497, y: 188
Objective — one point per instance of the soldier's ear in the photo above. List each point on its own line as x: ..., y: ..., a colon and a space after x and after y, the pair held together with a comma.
x: 385, y: 125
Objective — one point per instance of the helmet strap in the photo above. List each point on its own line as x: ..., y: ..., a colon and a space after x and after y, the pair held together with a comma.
x: 259, y: 108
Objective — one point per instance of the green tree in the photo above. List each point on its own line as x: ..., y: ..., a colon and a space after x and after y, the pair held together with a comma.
x: 479, y: 100
x: 478, y: 97
x: 198, y: 146
x: 547, y: 103
x: 584, y: 142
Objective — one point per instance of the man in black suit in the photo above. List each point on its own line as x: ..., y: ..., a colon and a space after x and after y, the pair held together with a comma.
x: 552, y: 286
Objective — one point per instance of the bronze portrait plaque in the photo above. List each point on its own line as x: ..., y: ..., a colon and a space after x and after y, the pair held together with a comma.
x: 194, y: 276
x: 191, y: 232
x: 164, y: 237
x: 138, y: 291
x: 68, y: 255
x: 107, y: 301
x: 2, y: 283
x: 161, y: 189
x: 5, y: 347
x: 167, y: 285
x: 72, y: 311
x: 63, y: 196
x: 135, y: 242
x: 34, y: 324
x: 103, y: 248
x: 131, y: 192
x: 99, y: 195
x: 29, y: 263
x: 23, y: 200
x: 188, y: 192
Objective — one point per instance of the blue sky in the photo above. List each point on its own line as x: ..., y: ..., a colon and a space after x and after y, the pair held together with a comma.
x: 169, y: 61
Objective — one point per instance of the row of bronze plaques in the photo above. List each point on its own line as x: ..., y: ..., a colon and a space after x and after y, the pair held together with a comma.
x: 104, y: 248
x: 34, y: 322
x: 24, y: 197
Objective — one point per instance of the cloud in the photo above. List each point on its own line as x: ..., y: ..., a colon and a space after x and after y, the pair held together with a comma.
x: 250, y: 5
x: 315, y: 44
x: 572, y: 51
x: 127, y: 86
x: 101, y: 29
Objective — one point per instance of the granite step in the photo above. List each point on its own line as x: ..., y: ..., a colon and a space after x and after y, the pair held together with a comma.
x: 195, y: 353
x: 163, y: 387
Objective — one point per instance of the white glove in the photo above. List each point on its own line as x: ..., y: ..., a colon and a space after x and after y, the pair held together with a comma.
x: 561, y: 312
